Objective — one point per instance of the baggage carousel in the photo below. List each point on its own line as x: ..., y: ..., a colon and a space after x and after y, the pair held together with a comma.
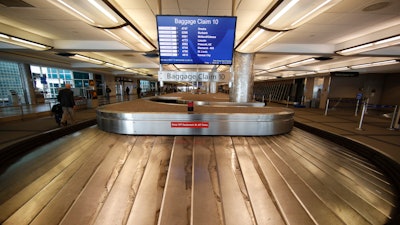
x: 194, y: 114
x: 96, y: 177
x: 93, y: 176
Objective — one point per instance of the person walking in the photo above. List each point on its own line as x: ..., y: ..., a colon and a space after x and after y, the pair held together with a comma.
x: 108, y: 91
x: 139, y: 91
x: 66, y: 99
x: 127, y: 90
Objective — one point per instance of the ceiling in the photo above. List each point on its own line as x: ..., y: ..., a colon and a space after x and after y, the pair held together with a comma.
x: 348, y: 23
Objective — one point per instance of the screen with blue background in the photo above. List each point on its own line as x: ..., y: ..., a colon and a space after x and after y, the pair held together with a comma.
x: 196, y: 39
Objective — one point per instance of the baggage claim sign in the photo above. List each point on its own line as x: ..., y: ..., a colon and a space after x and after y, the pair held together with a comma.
x: 182, y: 76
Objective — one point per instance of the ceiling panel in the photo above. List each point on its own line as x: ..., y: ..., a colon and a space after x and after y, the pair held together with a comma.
x: 220, y: 8
x: 170, y: 7
x: 198, y: 5
x: 345, y: 23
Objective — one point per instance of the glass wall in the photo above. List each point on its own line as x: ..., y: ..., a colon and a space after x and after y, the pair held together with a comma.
x: 49, y: 80
x: 46, y: 82
x: 10, y: 83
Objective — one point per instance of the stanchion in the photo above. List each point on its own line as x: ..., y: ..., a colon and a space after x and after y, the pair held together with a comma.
x: 326, y: 107
x: 287, y: 101
x: 264, y: 100
x: 357, y: 105
x: 362, y: 116
x: 22, y: 111
x: 395, y: 118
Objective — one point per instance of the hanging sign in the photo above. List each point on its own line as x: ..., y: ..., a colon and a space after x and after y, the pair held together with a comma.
x: 185, y: 76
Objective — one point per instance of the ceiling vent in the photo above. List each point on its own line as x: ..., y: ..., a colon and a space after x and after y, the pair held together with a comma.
x: 15, y: 3
x: 152, y: 54
x: 65, y: 54
x: 376, y: 6
x: 323, y: 58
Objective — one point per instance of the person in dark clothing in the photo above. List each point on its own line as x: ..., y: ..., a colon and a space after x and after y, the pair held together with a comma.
x: 57, y: 112
x: 108, y: 91
x: 66, y: 99
x: 127, y: 90
x: 139, y: 91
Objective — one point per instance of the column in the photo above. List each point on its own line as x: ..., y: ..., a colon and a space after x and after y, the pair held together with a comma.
x: 308, y: 92
x: 325, y: 92
x: 243, y: 78
x: 27, y: 83
x: 213, y: 87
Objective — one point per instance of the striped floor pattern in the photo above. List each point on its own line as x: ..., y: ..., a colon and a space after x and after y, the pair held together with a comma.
x: 94, y: 177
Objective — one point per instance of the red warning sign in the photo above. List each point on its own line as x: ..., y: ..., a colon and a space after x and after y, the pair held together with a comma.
x: 191, y: 124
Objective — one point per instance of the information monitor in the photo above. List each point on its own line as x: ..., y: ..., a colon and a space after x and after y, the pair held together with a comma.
x: 196, y: 39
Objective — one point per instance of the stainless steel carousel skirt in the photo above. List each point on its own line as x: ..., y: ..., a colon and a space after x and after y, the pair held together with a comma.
x: 149, y: 117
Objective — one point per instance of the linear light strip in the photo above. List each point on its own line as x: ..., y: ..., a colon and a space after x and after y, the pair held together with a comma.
x: 259, y: 32
x: 277, y: 68
x: 23, y: 43
x: 371, y: 46
x: 76, y: 11
x: 87, y: 59
x: 392, y: 39
x: 387, y: 62
x: 145, y: 42
x: 339, y: 68
x: 373, y: 64
x: 114, y: 66
x: 357, y: 48
x: 302, y: 62
x: 305, y: 73
x: 136, y: 37
x: 360, y: 66
x: 283, y: 11
x: 311, y: 12
x: 28, y: 42
x: 96, y: 61
x: 276, y: 36
x: 103, y: 10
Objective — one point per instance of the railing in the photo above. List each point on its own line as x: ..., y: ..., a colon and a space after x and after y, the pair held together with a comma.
x: 22, y: 110
x: 383, y: 111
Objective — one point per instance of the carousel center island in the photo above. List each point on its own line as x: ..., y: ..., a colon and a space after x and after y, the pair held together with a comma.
x: 212, y: 114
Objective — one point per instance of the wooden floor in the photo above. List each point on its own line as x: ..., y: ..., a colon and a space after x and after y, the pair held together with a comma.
x: 94, y: 177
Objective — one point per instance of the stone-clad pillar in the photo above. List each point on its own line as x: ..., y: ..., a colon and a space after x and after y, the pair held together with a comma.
x: 243, y: 78
x: 27, y: 83
x: 213, y: 87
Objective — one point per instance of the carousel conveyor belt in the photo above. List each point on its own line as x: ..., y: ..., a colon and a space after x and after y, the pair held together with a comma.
x: 94, y: 177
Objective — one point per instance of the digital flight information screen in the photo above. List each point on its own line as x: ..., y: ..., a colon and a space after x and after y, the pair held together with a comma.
x: 196, y: 39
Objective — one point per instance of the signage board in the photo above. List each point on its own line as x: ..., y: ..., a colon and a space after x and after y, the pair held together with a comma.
x: 344, y: 74
x: 196, y: 39
x: 186, y: 76
x: 189, y: 124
